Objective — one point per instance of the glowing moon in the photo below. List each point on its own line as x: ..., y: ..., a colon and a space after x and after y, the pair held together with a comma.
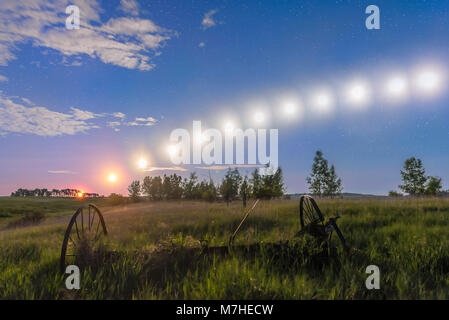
x: 172, y: 150
x: 396, y: 86
x: 112, y: 178
x: 357, y: 94
x: 142, y: 163
x: 290, y: 108
x: 428, y: 81
x: 323, y: 102
x: 229, y: 127
x: 259, y: 117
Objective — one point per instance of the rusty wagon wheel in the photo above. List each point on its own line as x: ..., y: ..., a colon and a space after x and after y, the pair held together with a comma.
x: 85, y: 230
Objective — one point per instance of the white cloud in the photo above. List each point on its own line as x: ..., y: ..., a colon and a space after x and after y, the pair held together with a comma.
x: 166, y: 169
x: 149, y: 119
x: 208, y: 20
x: 17, y: 118
x: 114, y: 124
x: 119, y: 115
x: 147, y: 122
x: 83, y: 115
x: 124, y: 42
x: 130, y: 7
x: 139, y: 122
x: 225, y: 167
x: 28, y: 118
x: 130, y: 26
x: 27, y: 101
x: 61, y: 172
x: 202, y: 45
x: 3, y: 78
x: 75, y: 63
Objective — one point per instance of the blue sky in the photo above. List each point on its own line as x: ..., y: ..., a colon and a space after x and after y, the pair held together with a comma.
x: 154, y: 66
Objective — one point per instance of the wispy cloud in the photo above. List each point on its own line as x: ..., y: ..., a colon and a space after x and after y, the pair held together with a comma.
x: 3, y: 78
x: 150, y: 121
x: 166, y: 169
x: 208, y: 19
x: 139, y: 122
x: 119, y: 115
x: 27, y: 101
x: 61, y: 172
x: 225, y: 167
x: 20, y: 115
x: 83, y: 114
x: 127, y: 42
x: 17, y: 118
x: 130, y: 7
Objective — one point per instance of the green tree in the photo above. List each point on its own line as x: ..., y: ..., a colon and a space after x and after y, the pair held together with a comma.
x: 191, y: 190
x: 413, y: 177
x: 172, y: 187
x: 434, y: 186
x: 332, y: 185
x: 277, y: 186
x: 269, y: 185
x: 256, y: 184
x: 208, y: 190
x: 229, y: 188
x: 134, y: 190
x: 394, y: 194
x: 317, y: 179
x: 152, y: 188
x: 244, y: 191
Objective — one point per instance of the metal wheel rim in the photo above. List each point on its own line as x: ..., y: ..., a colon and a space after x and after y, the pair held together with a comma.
x: 309, y: 213
x: 87, y: 224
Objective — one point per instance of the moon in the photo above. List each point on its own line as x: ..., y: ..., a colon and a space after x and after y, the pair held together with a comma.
x: 112, y: 178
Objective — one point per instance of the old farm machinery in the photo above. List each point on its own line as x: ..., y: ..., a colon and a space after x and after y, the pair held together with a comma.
x: 87, y: 228
x: 83, y: 234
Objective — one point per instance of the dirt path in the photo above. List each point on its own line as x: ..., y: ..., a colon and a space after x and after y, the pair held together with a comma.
x: 106, y: 211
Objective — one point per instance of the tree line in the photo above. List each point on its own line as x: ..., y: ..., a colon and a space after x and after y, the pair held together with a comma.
x: 231, y: 187
x: 44, y: 193
x: 324, y: 181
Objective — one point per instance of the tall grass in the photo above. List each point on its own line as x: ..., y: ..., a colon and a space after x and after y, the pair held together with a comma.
x: 160, y: 251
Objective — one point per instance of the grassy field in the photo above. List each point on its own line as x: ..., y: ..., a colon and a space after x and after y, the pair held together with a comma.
x: 159, y: 251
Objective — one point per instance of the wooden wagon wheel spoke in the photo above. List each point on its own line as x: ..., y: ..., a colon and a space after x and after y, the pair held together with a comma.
x: 309, y: 212
x: 82, y: 221
x: 89, y: 220
x: 84, y: 234
x: 77, y: 231
x: 92, y: 222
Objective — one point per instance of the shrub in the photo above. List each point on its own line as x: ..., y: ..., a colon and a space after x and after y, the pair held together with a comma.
x: 29, y: 219
x: 394, y: 194
x: 116, y: 199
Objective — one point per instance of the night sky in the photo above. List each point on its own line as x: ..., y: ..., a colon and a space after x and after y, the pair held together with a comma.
x: 78, y: 105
